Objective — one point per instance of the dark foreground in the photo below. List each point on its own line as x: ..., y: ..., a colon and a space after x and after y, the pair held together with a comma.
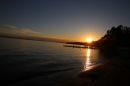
x: 115, y: 72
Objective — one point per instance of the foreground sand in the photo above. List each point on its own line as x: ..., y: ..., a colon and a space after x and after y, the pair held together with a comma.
x: 115, y: 72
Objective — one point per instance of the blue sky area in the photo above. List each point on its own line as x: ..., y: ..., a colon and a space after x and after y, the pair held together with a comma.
x: 62, y: 19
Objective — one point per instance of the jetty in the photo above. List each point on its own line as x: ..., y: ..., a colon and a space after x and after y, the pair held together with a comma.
x: 80, y: 45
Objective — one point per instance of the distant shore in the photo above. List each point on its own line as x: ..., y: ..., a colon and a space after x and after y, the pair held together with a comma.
x: 103, y: 74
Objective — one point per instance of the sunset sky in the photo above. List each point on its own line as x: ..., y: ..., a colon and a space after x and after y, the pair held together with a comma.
x: 62, y: 19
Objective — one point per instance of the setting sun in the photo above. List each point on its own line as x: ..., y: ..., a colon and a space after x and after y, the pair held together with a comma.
x: 89, y: 40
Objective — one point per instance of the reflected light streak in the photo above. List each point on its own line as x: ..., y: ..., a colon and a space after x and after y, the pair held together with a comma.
x: 88, y: 63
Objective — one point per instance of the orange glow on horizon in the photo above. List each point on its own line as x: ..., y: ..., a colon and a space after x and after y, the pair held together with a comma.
x: 89, y: 40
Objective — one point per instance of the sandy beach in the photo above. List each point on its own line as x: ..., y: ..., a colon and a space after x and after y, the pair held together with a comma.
x: 114, y: 72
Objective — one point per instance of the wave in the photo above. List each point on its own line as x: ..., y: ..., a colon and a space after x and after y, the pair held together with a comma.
x: 28, y: 76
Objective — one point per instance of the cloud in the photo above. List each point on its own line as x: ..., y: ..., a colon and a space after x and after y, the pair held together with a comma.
x: 25, y: 33
x: 29, y: 31
x: 8, y: 27
x: 19, y: 30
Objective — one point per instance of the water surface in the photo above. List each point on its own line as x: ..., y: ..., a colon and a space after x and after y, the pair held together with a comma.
x: 27, y: 62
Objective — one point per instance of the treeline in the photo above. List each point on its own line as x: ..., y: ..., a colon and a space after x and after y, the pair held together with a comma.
x: 115, y: 37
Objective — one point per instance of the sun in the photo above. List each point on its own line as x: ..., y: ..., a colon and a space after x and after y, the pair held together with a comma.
x: 89, y: 40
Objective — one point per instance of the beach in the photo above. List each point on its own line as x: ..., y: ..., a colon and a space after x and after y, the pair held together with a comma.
x: 27, y: 62
x: 114, y: 72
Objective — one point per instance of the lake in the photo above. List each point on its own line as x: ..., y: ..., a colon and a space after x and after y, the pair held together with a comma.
x: 28, y: 62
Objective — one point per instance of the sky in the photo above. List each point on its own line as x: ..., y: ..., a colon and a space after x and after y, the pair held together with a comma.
x: 74, y: 20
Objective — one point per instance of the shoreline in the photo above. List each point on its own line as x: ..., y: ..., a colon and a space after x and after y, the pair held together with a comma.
x: 102, y: 74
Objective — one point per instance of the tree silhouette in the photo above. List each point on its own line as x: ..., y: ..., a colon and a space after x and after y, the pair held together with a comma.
x: 115, y: 37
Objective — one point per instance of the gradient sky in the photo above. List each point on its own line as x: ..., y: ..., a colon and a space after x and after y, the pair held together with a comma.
x: 67, y: 19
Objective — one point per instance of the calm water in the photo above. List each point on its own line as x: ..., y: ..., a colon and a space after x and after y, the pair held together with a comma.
x: 26, y: 62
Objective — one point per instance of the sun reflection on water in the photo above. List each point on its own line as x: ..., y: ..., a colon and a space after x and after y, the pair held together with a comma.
x: 88, y: 63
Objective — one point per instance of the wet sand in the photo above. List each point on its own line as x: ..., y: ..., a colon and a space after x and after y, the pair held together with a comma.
x: 115, y: 72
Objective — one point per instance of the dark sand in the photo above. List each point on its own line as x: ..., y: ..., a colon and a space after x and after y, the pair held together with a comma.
x: 115, y: 72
